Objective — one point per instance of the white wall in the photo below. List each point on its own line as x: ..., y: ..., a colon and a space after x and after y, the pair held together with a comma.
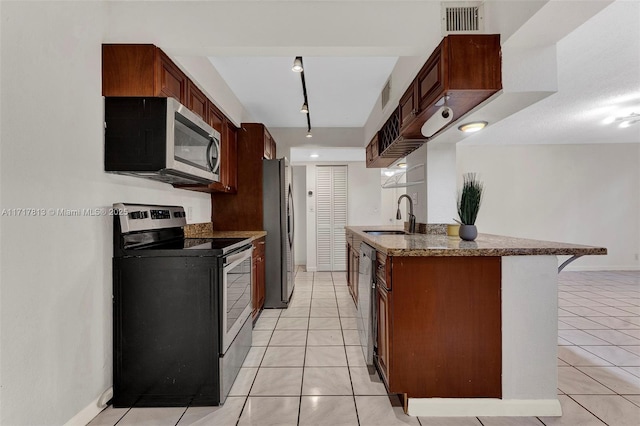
x: 363, y: 201
x: 55, y: 311
x: 389, y: 204
x: 435, y: 199
x: 300, y: 217
x: 583, y: 194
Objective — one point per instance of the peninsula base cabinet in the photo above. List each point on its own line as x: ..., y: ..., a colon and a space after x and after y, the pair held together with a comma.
x: 439, y: 326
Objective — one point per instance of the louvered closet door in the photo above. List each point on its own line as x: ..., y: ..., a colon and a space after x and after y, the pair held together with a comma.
x: 331, y: 217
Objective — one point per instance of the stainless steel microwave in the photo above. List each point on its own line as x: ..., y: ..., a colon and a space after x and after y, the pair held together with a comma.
x: 159, y: 139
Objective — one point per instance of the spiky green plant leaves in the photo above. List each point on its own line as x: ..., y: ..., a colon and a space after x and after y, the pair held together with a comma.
x: 469, y: 199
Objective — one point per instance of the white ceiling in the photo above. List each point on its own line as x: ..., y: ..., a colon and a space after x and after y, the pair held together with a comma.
x: 598, y: 73
x: 595, y: 46
x: 341, y: 90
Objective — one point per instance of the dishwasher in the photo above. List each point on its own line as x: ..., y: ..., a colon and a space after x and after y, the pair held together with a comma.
x: 367, y: 321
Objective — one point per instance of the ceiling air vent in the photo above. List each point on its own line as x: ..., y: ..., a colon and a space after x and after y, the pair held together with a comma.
x: 462, y: 17
x: 386, y: 93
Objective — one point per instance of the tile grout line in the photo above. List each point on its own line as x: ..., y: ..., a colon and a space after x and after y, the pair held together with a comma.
x: 304, y: 357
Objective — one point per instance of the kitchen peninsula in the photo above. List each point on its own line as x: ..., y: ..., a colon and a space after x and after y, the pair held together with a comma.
x: 467, y: 328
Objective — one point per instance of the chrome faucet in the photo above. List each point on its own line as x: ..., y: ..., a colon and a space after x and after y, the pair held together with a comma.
x: 412, y: 218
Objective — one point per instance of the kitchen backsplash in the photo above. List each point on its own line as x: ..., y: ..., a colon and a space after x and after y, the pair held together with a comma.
x: 198, y: 230
x: 428, y: 228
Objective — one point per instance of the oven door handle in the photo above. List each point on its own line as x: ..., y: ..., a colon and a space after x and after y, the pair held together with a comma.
x: 236, y: 258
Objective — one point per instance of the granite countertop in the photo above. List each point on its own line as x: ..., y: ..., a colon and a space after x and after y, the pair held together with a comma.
x: 484, y: 245
x: 254, y: 235
x: 205, y: 230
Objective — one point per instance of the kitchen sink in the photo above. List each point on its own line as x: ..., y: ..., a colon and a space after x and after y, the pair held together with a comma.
x: 389, y: 232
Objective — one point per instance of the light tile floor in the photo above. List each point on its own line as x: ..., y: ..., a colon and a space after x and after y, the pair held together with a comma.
x: 305, y: 367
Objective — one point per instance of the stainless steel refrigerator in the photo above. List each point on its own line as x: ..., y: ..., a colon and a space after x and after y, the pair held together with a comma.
x: 278, y: 222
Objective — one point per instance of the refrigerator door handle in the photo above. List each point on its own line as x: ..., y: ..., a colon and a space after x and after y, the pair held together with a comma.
x: 290, y: 218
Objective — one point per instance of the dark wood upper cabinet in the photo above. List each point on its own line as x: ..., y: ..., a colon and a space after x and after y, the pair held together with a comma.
x: 230, y: 158
x: 197, y: 101
x: 145, y: 70
x: 170, y: 81
x: 228, y: 149
x: 373, y: 154
x: 463, y: 71
x: 141, y: 70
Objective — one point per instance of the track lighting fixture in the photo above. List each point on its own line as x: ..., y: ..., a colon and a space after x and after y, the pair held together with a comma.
x: 297, y: 64
x: 297, y: 67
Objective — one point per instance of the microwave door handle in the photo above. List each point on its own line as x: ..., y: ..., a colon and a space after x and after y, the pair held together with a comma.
x: 212, y: 140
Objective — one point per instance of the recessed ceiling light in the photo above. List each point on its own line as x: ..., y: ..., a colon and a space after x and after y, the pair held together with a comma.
x: 297, y: 64
x: 473, y: 126
x: 402, y: 165
x: 389, y: 173
x: 314, y: 156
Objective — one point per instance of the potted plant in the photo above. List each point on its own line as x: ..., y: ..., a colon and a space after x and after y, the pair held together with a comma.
x: 469, y: 200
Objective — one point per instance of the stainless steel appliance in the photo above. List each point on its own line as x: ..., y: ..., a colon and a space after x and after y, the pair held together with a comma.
x: 159, y: 139
x: 181, y: 310
x: 366, y: 320
x: 278, y: 222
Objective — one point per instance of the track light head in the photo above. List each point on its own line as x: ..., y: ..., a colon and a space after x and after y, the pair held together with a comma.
x: 297, y: 64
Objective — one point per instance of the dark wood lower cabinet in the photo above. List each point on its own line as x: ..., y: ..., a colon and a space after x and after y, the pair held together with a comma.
x: 439, y: 327
x: 258, y: 274
x: 384, y: 311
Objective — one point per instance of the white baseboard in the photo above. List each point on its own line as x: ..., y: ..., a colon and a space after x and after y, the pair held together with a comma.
x: 490, y: 407
x: 90, y: 411
x: 312, y: 269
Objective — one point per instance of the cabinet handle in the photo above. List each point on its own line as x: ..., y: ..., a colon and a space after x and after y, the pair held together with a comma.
x: 414, y: 112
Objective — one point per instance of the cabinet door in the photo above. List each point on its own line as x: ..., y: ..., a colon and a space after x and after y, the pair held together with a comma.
x: 384, y: 349
x: 197, y: 101
x: 408, y: 106
x: 430, y: 80
x: 230, y: 157
x: 171, y: 81
x: 261, y: 281
x: 257, y: 274
x: 216, y: 119
x: 254, y: 285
